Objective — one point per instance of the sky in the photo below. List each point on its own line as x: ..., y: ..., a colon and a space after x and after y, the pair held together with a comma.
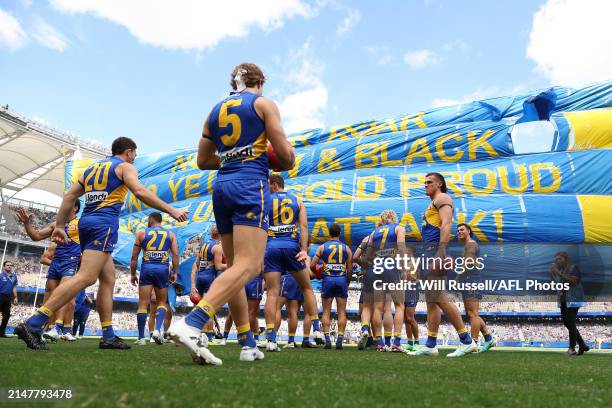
x: 153, y: 69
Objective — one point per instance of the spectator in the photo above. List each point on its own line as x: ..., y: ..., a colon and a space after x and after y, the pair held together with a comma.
x: 8, y: 294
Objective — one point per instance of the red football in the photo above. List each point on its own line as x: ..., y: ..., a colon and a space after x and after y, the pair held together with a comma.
x: 272, y: 159
x: 318, y: 272
x: 195, y: 297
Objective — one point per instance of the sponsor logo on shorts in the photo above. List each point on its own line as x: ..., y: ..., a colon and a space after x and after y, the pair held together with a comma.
x: 335, y: 267
x: 95, y: 196
x: 250, y: 215
x: 236, y: 154
x: 205, y: 264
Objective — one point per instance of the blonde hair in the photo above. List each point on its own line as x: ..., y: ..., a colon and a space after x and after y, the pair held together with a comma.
x: 388, y: 217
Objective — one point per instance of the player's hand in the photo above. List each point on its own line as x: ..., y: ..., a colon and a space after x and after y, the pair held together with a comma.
x: 23, y: 215
x: 15, y: 300
x: 134, y: 280
x: 173, y: 277
x: 59, y: 236
x: 179, y: 214
x: 301, y: 256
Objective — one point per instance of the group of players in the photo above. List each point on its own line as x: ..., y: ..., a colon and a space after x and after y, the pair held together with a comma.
x: 261, y: 234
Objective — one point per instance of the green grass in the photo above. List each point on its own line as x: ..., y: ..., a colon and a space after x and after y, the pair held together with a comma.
x: 153, y: 376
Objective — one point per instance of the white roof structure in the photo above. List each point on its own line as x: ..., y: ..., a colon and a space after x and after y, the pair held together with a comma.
x: 33, y: 155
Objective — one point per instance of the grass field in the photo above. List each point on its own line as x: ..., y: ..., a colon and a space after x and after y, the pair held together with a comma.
x: 155, y: 376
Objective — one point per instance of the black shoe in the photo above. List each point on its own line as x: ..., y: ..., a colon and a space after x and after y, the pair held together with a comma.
x: 31, y: 339
x: 319, y: 341
x: 114, y: 343
x: 327, y: 346
x: 307, y: 344
x: 339, y: 346
x: 582, y: 350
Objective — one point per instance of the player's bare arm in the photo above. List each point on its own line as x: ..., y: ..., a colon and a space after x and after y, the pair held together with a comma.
x: 135, y: 252
x: 269, y: 112
x: 25, y: 217
x: 218, y: 258
x: 175, y: 257
x: 303, y: 221
x: 76, y: 190
x: 207, y: 158
x: 128, y: 173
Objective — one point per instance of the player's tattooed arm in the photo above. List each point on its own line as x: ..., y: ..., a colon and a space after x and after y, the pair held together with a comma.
x: 134, y: 260
x: 175, y: 258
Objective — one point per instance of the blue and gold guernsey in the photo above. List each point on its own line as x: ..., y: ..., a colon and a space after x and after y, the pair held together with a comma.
x: 156, y: 246
x: 384, y: 240
x: 240, y: 136
x: 104, y: 196
x: 430, y: 229
x: 334, y: 256
x: 104, y: 191
x: 67, y: 256
x: 283, y: 230
x: 207, y: 272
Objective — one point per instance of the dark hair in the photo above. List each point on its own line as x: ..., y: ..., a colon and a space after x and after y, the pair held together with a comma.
x: 467, y: 227
x: 277, y: 179
x: 251, y: 75
x: 7, y: 261
x: 440, y: 177
x: 121, y: 144
x: 156, y: 216
x: 77, y: 204
x: 334, y: 230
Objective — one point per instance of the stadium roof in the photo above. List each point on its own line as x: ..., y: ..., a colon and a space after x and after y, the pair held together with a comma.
x: 33, y: 155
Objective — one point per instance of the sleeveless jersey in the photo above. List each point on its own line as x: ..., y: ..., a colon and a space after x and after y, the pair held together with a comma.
x: 207, y: 258
x: 240, y: 136
x: 156, y: 245
x: 284, y: 216
x: 334, y: 255
x: 104, y: 191
x: 430, y: 229
x: 384, y: 240
x: 71, y: 250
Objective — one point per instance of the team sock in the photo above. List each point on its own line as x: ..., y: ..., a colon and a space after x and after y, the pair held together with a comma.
x: 291, y: 338
x: 141, y: 319
x: 200, y: 315
x: 327, y: 338
x: 316, y: 325
x: 59, y: 326
x: 410, y: 342
x: 159, y: 317
x: 271, y: 333
x: 464, y: 336
x: 225, y: 334
x: 38, y: 319
x: 245, y: 336
x: 432, y: 339
x: 488, y: 337
x: 379, y: 340
x: 340, y: 338
x: 388, y: 339
x: 365, y: 327
x: 210, y: 335
x: 67, y: 329
x: 397, y: 339
x: 107, y: 330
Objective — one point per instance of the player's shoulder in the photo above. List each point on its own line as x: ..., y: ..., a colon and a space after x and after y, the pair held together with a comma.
x: 442, y: 199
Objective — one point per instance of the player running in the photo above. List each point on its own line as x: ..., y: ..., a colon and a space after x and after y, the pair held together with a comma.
x: 337, y: 261
x: 471, y: 298
x: 63, y: 261
x: 156, y: 245
x: 206, y: 268
x: 237, y: 130
x: 105, y: 184
x: 286, y: 252
x: 435, y: 231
